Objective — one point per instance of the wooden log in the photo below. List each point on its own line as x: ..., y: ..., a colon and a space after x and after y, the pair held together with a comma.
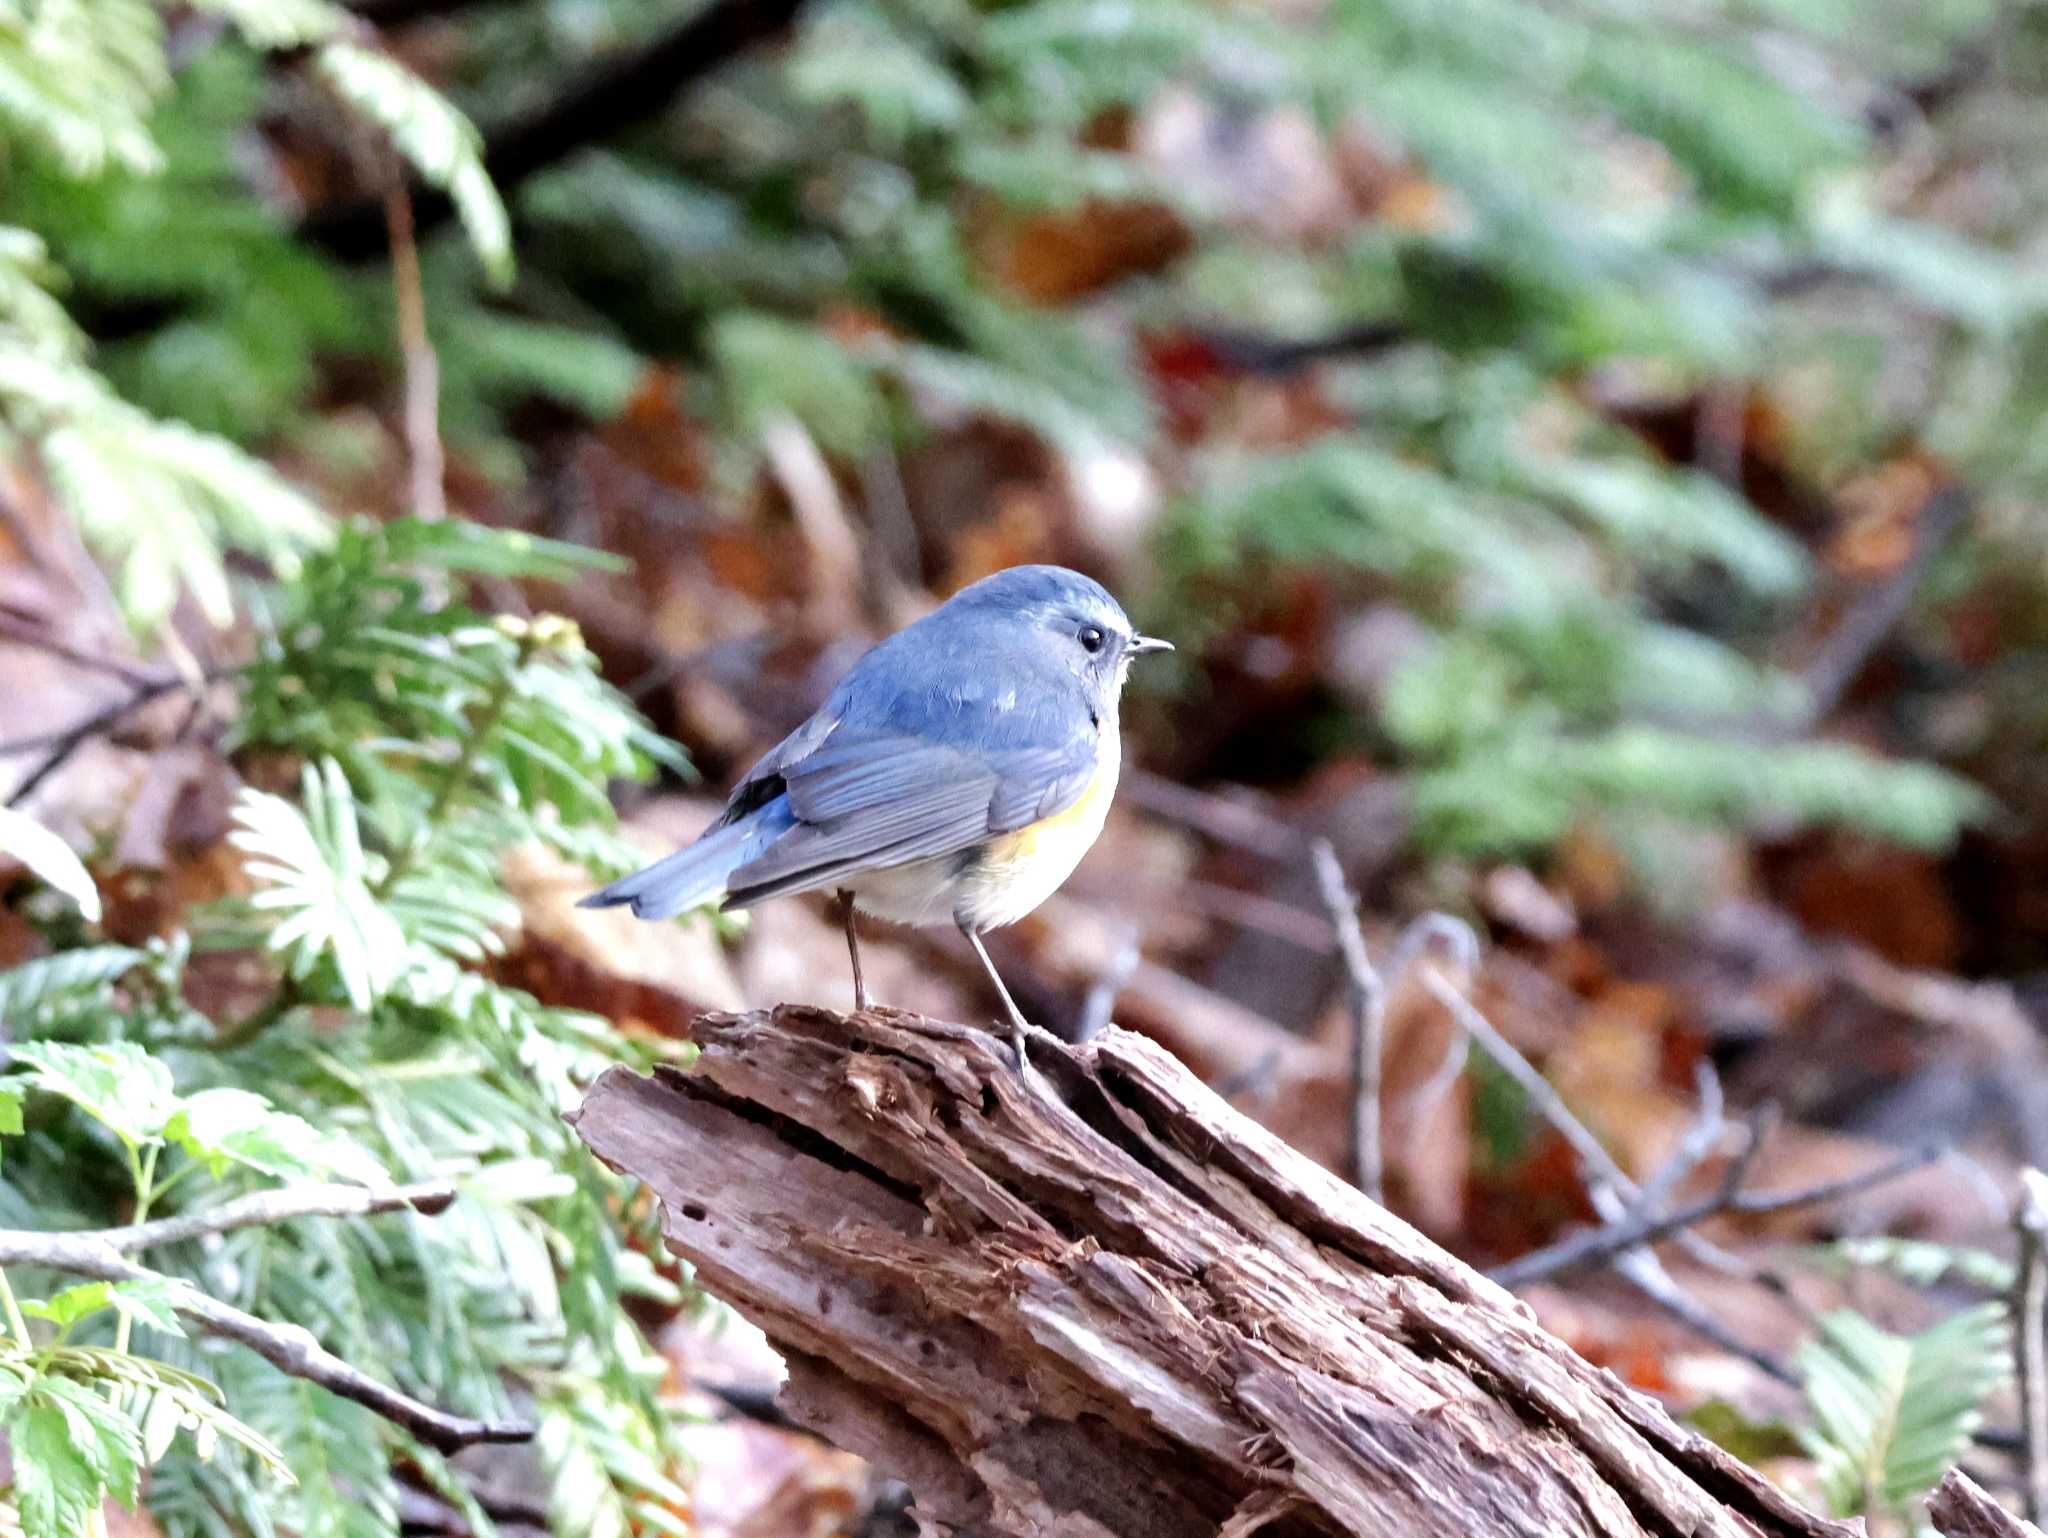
x: 1095, y: 1300
x: 1960, y: 1508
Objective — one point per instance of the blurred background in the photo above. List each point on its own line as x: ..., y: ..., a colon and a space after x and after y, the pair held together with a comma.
x: 1588, y: 455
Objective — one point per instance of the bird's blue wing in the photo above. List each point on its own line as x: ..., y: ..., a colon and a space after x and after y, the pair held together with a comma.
x: 873, y: 801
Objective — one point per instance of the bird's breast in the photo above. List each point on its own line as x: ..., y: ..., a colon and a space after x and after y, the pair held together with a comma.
x: 1014, y: 872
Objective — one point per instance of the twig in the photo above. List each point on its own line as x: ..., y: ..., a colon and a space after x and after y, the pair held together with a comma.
x: 1255, y: 911
x: 62, y: 744
x: 1643, y: 1271
x: 422, y: 410
x: 1607, y: 1183
x: 1699, y: 1140
x: 799, y: 468
x: 1598, y: 1161
x: 16, y: 631
x: 1640, y: 1266
x: 1251, y: 352
x: 308, y: 1201
x: 2030, y: 1331
x: 1595, y: 1245
x: 1254, y: 1081
x: 290, y: 1348
x: 760, y: 1403
x: 397, y: 13
x: 1366, y: 995
x: 1960, y: 1508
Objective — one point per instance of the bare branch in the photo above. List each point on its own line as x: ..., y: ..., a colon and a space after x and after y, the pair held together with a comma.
x: 2030, y: 1331
x: 260, y: 1207
x: 290, y: 1348
x: 425, y: 462
x: 1596, y: 1245
x: 64, y: 742
x: 1366, y: 995
x: 16, y: 630
x: 1609, y: 1185
x: 1240, y: 821
x: 1592, y: 1153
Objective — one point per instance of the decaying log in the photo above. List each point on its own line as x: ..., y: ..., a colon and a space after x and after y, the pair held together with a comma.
x: 1096, y: 1300
x: 1961, y: 1509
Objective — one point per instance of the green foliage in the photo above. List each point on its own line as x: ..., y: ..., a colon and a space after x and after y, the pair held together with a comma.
x: 433, y: 136
x: 152, y: 205
x: 433, y: 741
x: 1923, y: 1262
x: 77, y: 79
x: 83, y: 1421
x: 1892, y: 1413
x: 1546, y: 695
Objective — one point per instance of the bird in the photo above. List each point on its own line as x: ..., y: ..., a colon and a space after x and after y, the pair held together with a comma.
x: 956, y: 774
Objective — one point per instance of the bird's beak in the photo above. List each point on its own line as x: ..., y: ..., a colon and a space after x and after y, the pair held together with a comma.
x: 1141, y: 644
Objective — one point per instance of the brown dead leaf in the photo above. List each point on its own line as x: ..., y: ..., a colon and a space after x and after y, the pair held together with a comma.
x: 1056, y: 258
x: 1880, y: 513
x: 183, y: 805
x: 1610, y: 1070
x: 1895, y: 901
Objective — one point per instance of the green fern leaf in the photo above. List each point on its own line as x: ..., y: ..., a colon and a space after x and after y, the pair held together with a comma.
x: 439, y: 141
x: 1892, y: 1413
x: 313, y: 874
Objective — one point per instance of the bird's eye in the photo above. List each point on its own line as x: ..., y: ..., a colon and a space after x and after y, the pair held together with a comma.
x: 1092, y: 638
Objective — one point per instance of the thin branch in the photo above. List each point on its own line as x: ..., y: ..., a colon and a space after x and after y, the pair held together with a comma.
x: 397, y: 13
x: 1641, y: 1268
x: 1643, y: 1271
x: 1237, y: 821
x: 2030, y: 1330
x: 290, y: 1348
x: 1610, y: 1186
x: 1366, y: 994
x: 1594, y: 1246
x: 260, y: 1207
x: 1592, y: 1153
x: 1700, y: 1139
x: 1252, y: 352
x: 67, y: 741
x: 422, y: 409
x: 17, y: 631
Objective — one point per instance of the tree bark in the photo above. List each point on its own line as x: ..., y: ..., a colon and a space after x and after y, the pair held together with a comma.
x: 1095, y: 1300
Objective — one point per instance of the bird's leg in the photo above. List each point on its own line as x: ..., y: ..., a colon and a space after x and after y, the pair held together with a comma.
x: 860, y: 988
x: 1018, y: 1025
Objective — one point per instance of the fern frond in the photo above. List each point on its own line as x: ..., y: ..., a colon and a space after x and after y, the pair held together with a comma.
x: 1892, y: 1413
x: 428, y: 131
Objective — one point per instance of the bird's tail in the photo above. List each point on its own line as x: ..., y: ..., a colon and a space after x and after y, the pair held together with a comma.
x: 697, y: 873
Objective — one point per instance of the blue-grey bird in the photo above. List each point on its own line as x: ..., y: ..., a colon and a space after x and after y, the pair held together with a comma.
x: 957, y: 774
